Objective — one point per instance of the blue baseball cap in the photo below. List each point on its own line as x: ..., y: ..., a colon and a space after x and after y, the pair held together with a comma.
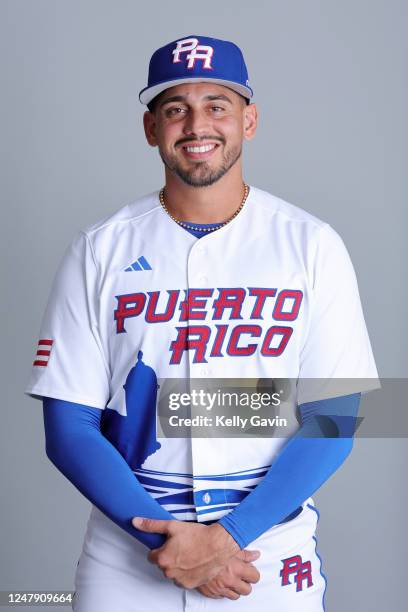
x: 196, y: 58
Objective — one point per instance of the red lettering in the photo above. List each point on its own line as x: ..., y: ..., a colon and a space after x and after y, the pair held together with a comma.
x: 266, y: 349
x: 184, y: 342
x: 241, y: 351
x: 287, y: 294
x: 218, y: 341
x: 125, y: 311
x: 229, y: 298
x: 261, y: 295
x: 188, y: 306
x: 152, y: 316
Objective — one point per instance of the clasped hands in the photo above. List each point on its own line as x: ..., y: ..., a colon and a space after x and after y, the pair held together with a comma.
x: 202, y: 557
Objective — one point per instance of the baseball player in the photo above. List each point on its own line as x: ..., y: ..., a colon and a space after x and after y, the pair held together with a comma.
x: 205, y: 278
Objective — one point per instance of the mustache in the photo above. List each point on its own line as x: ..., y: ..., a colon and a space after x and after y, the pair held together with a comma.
x: 203, y: 138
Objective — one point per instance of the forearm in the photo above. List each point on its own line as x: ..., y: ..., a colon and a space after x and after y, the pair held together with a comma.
x: 303, y: 465
x: 93, y: 465
x: 285, y: 487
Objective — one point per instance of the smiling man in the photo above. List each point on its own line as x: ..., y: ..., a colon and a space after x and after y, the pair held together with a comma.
x: 207, y: 277
x: 199, y: 130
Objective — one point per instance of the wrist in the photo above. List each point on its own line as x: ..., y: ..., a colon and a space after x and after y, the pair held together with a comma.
x: 223, y: 543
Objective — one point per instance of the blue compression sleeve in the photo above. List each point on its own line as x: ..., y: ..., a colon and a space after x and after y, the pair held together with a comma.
x: 76, y: 446
x: 311, y: 456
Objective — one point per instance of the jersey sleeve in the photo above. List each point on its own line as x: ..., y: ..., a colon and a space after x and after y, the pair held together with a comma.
x: 69, y: 362
x: 336, y: 358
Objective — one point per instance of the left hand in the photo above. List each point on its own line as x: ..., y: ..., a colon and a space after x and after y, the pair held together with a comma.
x: 234, y: 580
x: 193, y: 553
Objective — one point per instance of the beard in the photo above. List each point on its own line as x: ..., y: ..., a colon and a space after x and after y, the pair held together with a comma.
x: 202, y: 175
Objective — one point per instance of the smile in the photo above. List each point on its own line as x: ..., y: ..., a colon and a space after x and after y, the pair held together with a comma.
x: 202, y: 149
x: 199, y: 151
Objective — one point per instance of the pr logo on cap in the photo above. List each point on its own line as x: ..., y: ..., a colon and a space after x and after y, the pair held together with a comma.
x: 197, y: 52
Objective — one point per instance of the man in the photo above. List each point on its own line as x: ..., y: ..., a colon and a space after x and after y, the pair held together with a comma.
x: 208, y: 278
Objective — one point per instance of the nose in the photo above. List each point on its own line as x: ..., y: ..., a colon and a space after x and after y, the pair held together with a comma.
x: 196, y: 123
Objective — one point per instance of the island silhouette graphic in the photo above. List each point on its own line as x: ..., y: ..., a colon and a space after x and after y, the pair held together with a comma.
x: 134, y: 435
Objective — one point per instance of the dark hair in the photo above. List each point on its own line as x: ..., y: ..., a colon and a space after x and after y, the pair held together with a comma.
x: 152, y: 104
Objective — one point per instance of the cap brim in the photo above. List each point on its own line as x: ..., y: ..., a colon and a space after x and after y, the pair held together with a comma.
x: 148, y: 93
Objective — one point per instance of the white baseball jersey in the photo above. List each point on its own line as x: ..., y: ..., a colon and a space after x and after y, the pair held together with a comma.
x: 137, y: 298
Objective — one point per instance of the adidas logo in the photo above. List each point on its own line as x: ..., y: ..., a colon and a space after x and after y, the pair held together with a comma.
x: 140, y: 264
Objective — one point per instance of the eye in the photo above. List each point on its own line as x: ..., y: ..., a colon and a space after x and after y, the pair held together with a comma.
x: 174, y: 110
x: 217, y: 108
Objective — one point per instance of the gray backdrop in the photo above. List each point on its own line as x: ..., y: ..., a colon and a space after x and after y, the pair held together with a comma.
x: 330, y: 81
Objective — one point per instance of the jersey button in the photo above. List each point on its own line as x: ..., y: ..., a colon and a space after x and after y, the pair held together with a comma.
x: 206, y: 498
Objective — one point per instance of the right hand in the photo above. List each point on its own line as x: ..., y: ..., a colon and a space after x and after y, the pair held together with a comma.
x: 235, y: 578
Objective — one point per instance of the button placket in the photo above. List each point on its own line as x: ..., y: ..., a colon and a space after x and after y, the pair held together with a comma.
x: 198, y: 277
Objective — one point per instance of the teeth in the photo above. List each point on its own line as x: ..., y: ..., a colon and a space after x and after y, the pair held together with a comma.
x: 202, y: 149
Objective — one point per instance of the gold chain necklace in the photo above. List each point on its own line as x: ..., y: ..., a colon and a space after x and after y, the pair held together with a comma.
x: 203, y: 229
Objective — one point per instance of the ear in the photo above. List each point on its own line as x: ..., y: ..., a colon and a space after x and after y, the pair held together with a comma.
x: 149, y: 124
x: 250, y: 121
